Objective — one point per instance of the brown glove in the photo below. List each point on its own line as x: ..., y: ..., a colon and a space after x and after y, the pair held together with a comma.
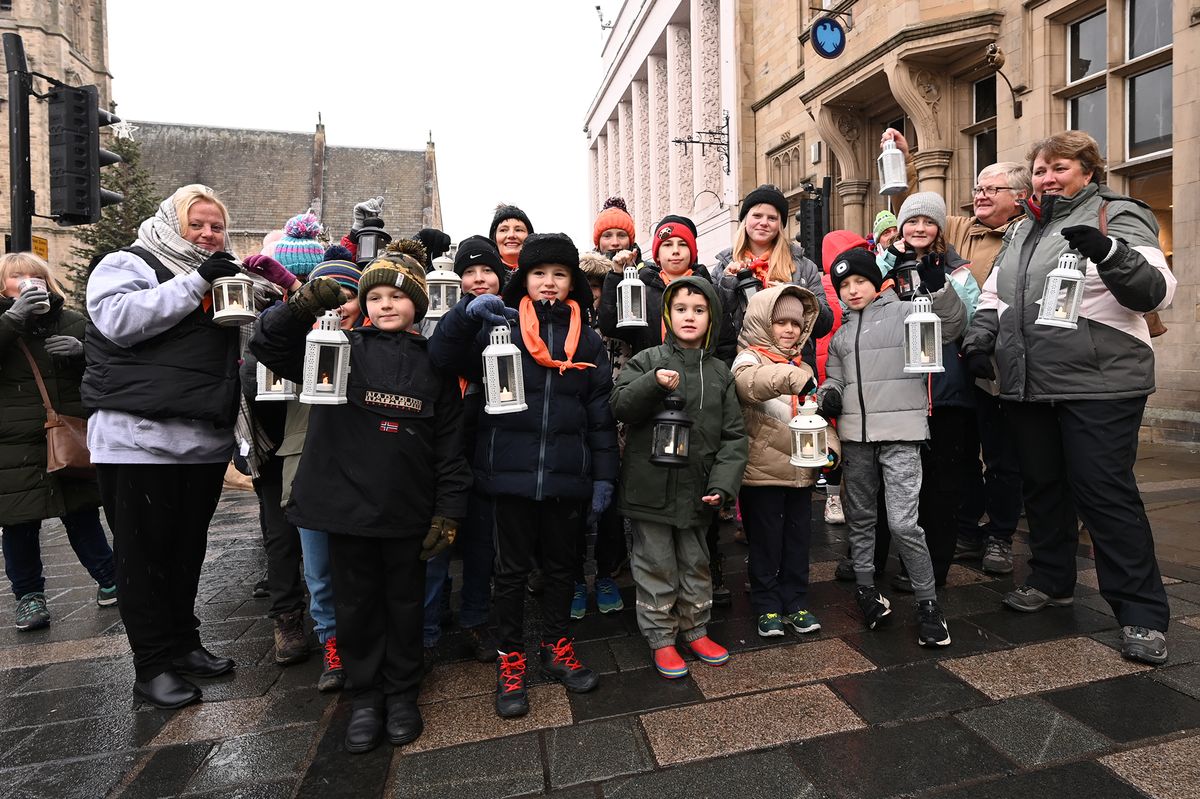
x: 315, y: 298
x: 442, y: 532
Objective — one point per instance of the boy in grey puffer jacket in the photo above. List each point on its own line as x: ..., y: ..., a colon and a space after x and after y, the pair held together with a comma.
x: 882, y: 426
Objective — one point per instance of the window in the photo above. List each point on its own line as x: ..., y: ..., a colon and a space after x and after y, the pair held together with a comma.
x: 1086, y: 45
x: 1149, y: 112
x: 985, y: 114
x: 1154, y: 189
x: 1089, y: 113
x: 1149, y: 23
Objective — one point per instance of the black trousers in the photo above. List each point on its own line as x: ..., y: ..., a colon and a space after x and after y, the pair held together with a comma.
x: 610, y: 544
x: 994, y: 489
x: 1077, y: 458
x: 945, y: 463
x: 281, y: 541
x: 778, y: 524
x: 159, y: 516
x: 550, y: 528
x: 378, y: 600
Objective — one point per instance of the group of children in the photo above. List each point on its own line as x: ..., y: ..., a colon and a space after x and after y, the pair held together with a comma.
x: 544, y: 476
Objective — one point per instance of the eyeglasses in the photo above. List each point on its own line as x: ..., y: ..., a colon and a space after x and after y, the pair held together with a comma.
x: 989, y: 191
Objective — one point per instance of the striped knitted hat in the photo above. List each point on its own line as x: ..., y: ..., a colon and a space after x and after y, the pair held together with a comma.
x: 344, y: 273
x: 299, y: 249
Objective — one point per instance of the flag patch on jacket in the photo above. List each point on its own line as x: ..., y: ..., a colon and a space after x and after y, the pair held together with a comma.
x: 389, y: 427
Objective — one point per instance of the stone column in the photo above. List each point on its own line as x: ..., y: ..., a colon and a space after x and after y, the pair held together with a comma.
x: 594, y: 173
x: 659, y: 146
x: 920, y: 91
x: 933, y: 169
x: 625, y: 122
x: 602, y: 170
x: 707, y: 170
x: 644, y: 216
x: 614, y: 162
x: 679, y: 116
x: 854, y: 204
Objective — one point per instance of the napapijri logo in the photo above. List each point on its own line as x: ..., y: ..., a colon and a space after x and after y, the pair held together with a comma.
x: 841, y: 267
x: 382, y: 400
x: 389, y: 427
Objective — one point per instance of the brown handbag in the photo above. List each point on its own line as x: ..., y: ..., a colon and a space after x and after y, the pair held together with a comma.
x: 1154, y: 322
x: 66, y: 436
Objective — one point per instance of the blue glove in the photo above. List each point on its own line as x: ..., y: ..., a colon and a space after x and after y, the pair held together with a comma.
x: 491, y: 309
x: 932, y: 271
x: 602, y: 496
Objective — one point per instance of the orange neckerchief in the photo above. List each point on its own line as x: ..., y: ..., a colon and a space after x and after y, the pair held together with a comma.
x: 761, y: 267
x: 775, y: 357
x: 531, y: 335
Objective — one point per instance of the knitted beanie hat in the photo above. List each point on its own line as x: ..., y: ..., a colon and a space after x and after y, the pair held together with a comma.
x: 344, y: 273
x: 336, y: 252
x: 855, y: 261
x: 399, y: 270
x: 505, y: 211
x: 548, y: 248
x: 613, y: 214
x: 478, y: 251
x: 766, y: 193
x: 299, y: 249
x: 671, y: 227
x: 788, y: 306
x: 883, y: 221
x: 923, y: 203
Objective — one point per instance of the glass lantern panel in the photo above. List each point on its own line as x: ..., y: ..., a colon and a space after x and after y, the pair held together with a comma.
x: 453, y: 294
x: 327, y: 369
x: 435, y: 299
x: 809, y: 444
x: 505, y: 390
x: 929, y: 344
x: 637, y: 303
x: 670, y: 440
x: 368, y: 246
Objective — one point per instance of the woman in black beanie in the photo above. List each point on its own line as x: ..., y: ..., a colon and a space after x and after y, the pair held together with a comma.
x: 510, y: 227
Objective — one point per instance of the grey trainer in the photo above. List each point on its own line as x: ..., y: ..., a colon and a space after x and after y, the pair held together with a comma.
x: 1142, y: 644
x: 1028, y: 599
x: 997, y: 556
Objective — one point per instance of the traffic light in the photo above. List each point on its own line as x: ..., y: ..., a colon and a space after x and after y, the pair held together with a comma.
x: 76, y: 157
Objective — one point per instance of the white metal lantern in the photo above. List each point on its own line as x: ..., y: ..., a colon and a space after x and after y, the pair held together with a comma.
x: 233, y: 301
x: 1062, y: 293
x: 503, y: 378
x: 631, y: 300
x: 273, y: 387
x: 893, y: 177
x: 922, y: 339
x: 445, y: 287
x: 326, y: 363
x: 809, y: 437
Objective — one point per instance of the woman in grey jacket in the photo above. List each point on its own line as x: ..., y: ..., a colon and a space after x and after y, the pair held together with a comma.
x: 1076, y: 396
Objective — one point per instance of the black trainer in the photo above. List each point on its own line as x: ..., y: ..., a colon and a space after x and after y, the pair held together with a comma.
x: 482, y: 643
x: 512, y: 699
x: 874, y: 605
x: 931, y: 624
x: 560, y: 663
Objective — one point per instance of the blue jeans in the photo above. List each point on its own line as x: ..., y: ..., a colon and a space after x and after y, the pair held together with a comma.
x: 317, y: 574
x: 476, y: 545
x: 23, y: 552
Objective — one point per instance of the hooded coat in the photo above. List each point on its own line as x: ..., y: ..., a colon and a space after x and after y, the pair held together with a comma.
x: 717, y: 456
x: 27, y: 492
x: 767, y: 389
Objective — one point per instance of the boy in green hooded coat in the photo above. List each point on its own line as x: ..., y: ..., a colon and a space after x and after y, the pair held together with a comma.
x: 671, y: 508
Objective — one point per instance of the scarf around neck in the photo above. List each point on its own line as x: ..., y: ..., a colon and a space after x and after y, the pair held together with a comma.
x: 160, y: 234
x: 531, y: 335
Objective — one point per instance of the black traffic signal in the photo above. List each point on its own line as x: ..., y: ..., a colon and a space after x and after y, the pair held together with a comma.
x: 76, y: 157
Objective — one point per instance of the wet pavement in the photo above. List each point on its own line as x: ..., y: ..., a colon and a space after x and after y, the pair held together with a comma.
x: 1020, y: 705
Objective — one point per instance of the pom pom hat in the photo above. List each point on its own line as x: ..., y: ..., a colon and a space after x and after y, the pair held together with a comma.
x: 883, y: 221
x: 299, y: 249
x: 614, y: 215
x: 402, y: 271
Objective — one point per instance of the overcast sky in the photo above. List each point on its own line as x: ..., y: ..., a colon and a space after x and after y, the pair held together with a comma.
x: 504, y: 86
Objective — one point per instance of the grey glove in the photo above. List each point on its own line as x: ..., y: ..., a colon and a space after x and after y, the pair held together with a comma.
x: 64, y: 346
x: 366, y: 208
x: 26, y: 305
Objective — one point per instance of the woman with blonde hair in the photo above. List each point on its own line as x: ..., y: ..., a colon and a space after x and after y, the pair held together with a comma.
x: 37, y: 332
x: 162, y: 384
x: 762, y: 256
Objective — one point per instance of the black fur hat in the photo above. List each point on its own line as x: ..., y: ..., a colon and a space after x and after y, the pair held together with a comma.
x: 548, y: 248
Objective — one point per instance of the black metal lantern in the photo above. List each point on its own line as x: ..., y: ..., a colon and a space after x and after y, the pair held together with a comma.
x: 371, y: 239
x: 904, y: 276
x: 671, y: 434
x: 748, y: 283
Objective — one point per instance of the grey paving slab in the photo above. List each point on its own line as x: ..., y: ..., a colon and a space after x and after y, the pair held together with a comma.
x: 497, y: 768
x: 1084, y: 780
x: 253, y: 758
x: 761, y: 774
x: 1129, y: 708
x: 1031, y: 732
x: 167, y: 771
x: 905, y: 692
x: 91, y: 777
x: 596, y: 751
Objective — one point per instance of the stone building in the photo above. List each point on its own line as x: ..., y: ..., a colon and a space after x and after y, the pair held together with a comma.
x: 265, y: 177
x: 68, y: 40
x: 1119, y: 69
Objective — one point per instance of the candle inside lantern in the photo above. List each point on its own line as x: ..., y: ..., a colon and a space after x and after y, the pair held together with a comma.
x: 506, y: 395
x: 924, y: 357
x: 807, y: 450
x: 277, y: 385
x: 233, y: 305
x: 325, y: 385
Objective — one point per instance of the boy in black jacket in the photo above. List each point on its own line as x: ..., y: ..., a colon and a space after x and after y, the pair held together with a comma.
x: 546, y: 465
x: 385, y: 476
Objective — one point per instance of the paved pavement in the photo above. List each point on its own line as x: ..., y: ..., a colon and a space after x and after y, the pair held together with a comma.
x: 1020, y: 705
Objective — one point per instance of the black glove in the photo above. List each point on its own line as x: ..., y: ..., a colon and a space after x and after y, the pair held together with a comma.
x: 831, y: 404
x: 435, y: 241
x: 64, y: 346
x: 442, y: 532
x: 315, y: 298
x: 932, y: 271
x: 979, y: 364
x: 220, y: 264
x: 1088, y: 241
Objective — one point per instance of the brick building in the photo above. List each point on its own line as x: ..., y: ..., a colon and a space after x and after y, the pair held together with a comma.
x: 1119, y: 69
x: 266, y: 176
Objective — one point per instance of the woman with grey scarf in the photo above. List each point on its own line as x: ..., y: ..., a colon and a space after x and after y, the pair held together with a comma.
x: 162, y: 385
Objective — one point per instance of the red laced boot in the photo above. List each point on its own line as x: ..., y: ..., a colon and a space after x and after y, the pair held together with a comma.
x: 332, y: 677
x: 511, y: 697
x: 559, y: 662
